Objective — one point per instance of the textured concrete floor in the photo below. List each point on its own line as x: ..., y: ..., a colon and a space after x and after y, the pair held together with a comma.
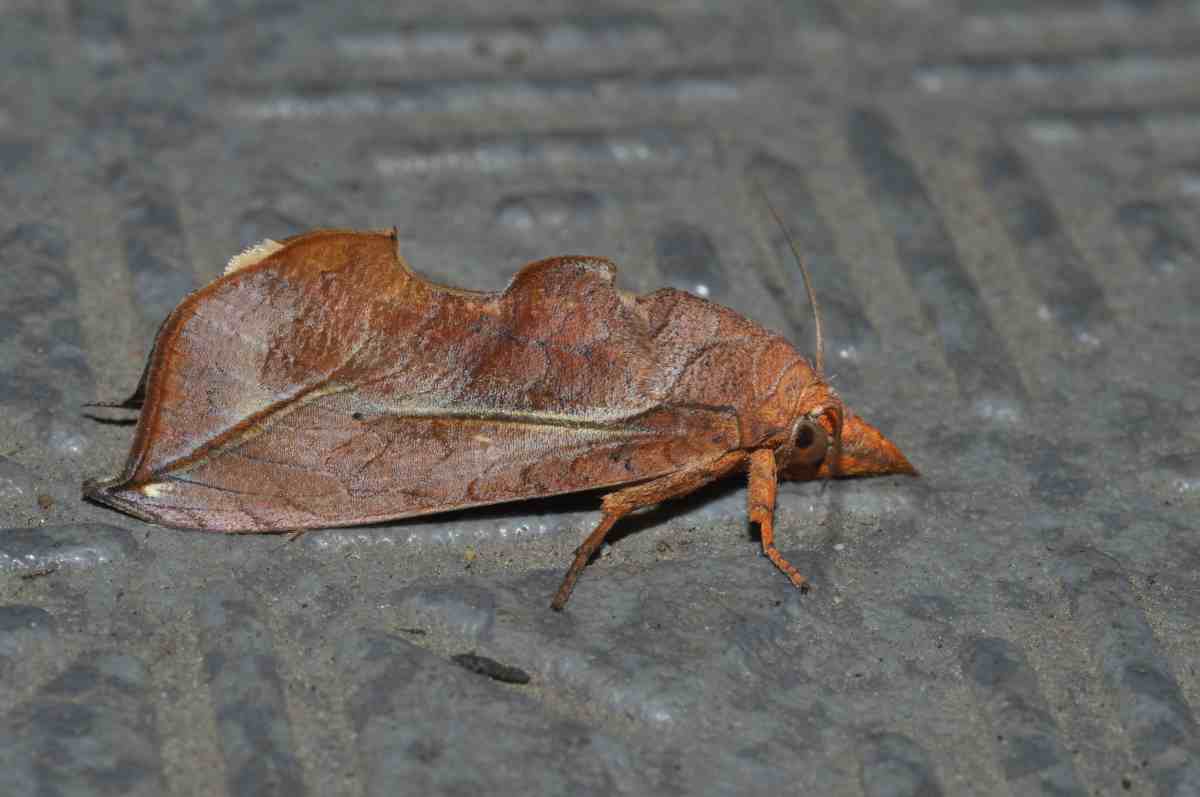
x: 999, y: 203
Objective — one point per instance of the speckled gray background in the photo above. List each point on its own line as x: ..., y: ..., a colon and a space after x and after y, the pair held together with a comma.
x: 999, y: 202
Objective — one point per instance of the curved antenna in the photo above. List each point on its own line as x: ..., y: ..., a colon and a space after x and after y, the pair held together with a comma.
x: 812, y: 295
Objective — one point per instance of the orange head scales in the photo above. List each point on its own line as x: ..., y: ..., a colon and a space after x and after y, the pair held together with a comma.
x: 825, y: 438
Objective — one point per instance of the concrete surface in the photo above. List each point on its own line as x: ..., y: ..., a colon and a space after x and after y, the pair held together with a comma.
x: 999, y: 202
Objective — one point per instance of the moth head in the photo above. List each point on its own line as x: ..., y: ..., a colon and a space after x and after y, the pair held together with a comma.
x: 831, y: 442
x: 827, y: 440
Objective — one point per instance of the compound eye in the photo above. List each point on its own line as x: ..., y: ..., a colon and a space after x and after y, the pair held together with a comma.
x: 811, y: 441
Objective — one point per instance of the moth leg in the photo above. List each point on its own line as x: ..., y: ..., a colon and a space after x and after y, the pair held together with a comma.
x: 583, y: 555
x: 761, y: 495
x: 620, y: 503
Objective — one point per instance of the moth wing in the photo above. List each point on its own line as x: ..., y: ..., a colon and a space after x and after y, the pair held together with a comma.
x: 320, y: 466
x: 256, y: 340
x: 327, y: 384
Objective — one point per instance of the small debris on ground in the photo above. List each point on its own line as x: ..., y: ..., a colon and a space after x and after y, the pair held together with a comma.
x: 491, y: 668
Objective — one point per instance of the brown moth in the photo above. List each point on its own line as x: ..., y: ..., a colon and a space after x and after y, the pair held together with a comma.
x: 322, y: 382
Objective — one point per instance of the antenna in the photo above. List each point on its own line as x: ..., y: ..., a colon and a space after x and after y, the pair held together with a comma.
x: 812, y: 295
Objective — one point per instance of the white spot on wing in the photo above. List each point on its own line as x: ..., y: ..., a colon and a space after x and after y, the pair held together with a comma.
x: 253, y: 254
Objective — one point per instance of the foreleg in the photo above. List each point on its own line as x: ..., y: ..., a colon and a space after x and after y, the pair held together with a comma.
x: 764, y: 480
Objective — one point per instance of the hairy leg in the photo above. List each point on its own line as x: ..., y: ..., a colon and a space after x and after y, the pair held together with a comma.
x: 763, y: 482
x: 619, y: 504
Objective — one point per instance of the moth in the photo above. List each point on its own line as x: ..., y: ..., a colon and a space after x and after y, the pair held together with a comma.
x: 322, y: 382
